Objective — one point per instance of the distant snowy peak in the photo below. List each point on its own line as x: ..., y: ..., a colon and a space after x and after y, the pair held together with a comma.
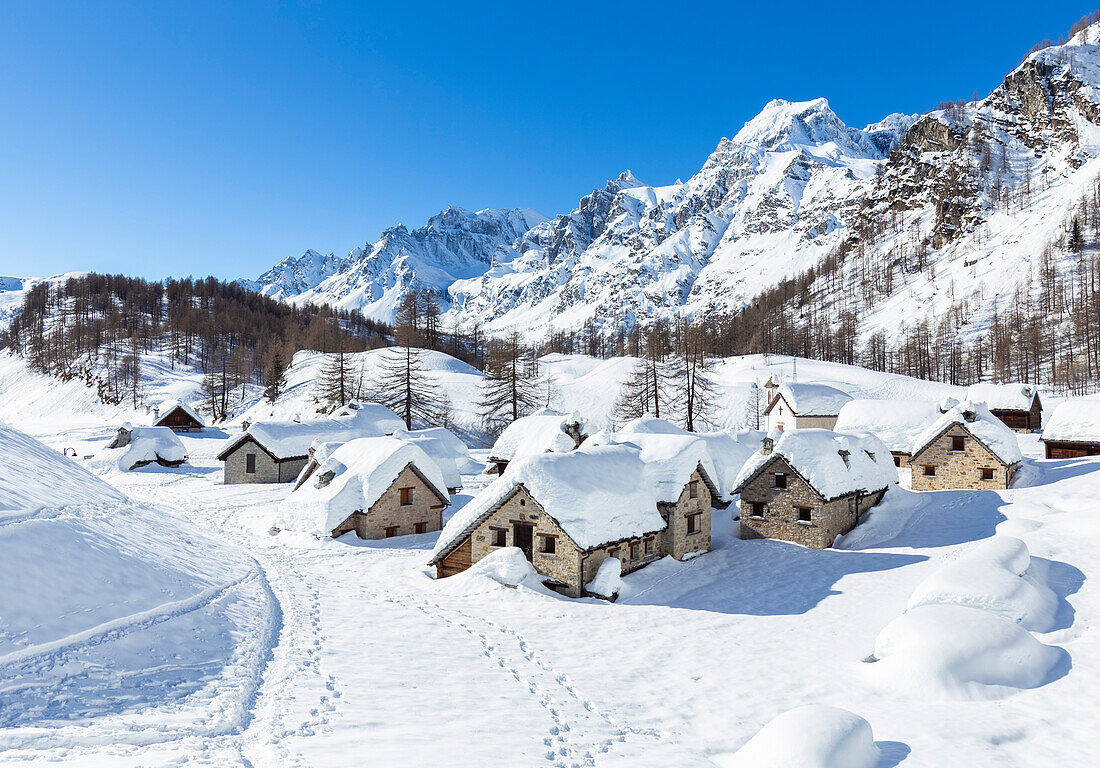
x: 294, y: 275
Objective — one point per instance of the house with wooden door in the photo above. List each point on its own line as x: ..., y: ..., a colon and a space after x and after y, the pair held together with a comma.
x: 177, y: 416
x: 804, y: 406
x: 376, y: 487
x: 1073, y: 429
x: 277, y: 451
x: 544, y: 431
x: 811, y: 485
x: 897, y: 423
x: 967, y: 447
x: 1017, y: 405
x: 568, y: 512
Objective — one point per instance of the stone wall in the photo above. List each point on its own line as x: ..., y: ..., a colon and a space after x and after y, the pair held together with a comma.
x: 827, y: 519
x: 388, y: 512
x: 678, y: 542
x: 958, y: 469
x: 267, y: 469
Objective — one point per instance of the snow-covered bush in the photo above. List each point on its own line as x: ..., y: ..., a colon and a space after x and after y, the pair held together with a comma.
x: 814, y: 736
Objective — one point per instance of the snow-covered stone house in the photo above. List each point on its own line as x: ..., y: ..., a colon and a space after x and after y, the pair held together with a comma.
x: 897, y: 423
x: 378, y: 487
x: 147, y: 445
x: 568, y: 512
x: 812, y: 485
x: 544, y: 431
x: 277, y: 451
x: 1017, y: 405
x: 1073, y: 429
x: 177, y: 416
x: 967, y: 447
x: 804, y: 406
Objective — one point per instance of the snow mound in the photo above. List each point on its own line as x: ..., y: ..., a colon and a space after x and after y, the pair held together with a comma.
x: 993, y: 576
x: 507, y: 566
x: 608, y: 580
x: 814, y: 736
x: 352, y: 479
x: 118, y: 614
x: 953, y: 652
x: 150, y: 445
x: 542, y: 432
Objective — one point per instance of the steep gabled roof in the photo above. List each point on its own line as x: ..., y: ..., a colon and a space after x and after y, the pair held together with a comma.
x: 833, y: 464
x: 982, y: 425
x: 1003, y: 397
x: 810, y: 399
x: 292, y: 439
x: 168, y: 406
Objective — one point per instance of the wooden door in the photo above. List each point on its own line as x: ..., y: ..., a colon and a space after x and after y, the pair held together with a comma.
x: 523, y: 537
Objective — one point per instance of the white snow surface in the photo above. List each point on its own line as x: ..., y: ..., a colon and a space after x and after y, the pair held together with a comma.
x: 807, y: 399
x: 147, y: 445
x: 608, y: 580
x: 812, y: 736
x: 507, y: 566
x: 816, y: 454
x: 540, y: 432
x: 363, y: 469
x: 985, y: 426
x: 1074, y: 419
x: 992, y: 576
x: 286, y: 439
x: 1009, y: 397
x: 897, y: 423
x: 444, y: 447
x: 944, y: 651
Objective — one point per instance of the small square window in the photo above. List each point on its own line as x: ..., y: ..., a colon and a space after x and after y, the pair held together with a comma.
x: 756, y: 509
x: 804, y: 514
x: 897, y: 461
x: 780, y: 480
x: 613, y: 552
x: 500, y: 537
x: 987, y: 473
x: 929, y: 470
x: 392, y: 530
x: 406, y: 497
x: 958, y: 443
x: 549, y: 545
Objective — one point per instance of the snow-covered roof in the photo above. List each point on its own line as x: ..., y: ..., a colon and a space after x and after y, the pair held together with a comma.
x: 168, y: 406
x: 597, y: 494
x: 833, y: 463
x: 725, y: 452
x: 812, y: 399
x: 984, y: 426
x: 1076, y: 419
x: 445, y: 449
x: 897, y: 423
x: 149, y: 444
x: 541, y: 432
x: 1003, y: 397
x: 364, y: 469
x: 292, y: 439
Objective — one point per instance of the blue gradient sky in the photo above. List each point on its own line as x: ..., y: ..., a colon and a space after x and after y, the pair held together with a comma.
x: 217, y: 138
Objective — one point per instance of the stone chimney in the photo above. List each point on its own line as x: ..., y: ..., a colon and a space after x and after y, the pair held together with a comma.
x: 969, y: 415
x: 573, y: 429
x: 325, y: 478
x: 245, y: 425
x: 767, y: 445
x: 156, y: 412
x: 844, y: 454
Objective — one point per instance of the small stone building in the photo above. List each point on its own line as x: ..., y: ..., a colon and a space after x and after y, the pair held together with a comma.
x: 277, y: 451
x: 177, y: 416
x: 568, y: 512
x: 544, y: 431
x: 967, y: 447
x: 812, y: 485
x: 804, y: 406
x: 147, y: 445
x: 1073, y: 429
x: 897, y: 423
x: 1017, y: 405
x: 376, y: 487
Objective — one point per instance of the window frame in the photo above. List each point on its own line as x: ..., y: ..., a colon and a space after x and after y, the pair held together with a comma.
x: 496, y: 533
x: 693, y: 489
x: 928, y: 467
x: 986, y: 473
x: 808, y: 519
x: 960, y: 442
x: 250, y: 463
x: 405, y: 496
x: 548, y: 544
x: 420, y: 527
x: 779, y: 483
x: 757, y: 509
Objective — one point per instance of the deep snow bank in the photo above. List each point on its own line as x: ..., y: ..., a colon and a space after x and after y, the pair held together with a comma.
x: 814, y: 736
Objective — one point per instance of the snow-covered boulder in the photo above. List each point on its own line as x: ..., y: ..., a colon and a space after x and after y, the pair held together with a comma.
x: 953, y: 652
x: 148, y: 445
x: 507, y: 566
x: 352, y: 479
x: 993, y: 576
x: 608, y: 581
x: 814, y: 736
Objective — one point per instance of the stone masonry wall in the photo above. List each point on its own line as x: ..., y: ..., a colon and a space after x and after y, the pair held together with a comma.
x: 958, y: 469
x: 388, y: 512
x: 678, y: 542
x: 267, y: 470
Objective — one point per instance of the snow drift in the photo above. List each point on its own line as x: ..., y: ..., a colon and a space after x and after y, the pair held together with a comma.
x: 814, y: 736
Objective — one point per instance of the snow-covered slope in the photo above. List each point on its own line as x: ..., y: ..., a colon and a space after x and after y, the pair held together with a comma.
x: 453, y: 245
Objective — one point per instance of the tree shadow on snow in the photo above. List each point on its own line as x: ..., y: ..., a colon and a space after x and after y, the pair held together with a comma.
x: 759, y: 578
x: 891, y: 753
x: 1064, y: 580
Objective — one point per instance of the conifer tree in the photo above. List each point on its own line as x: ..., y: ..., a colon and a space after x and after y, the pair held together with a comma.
x: 402, y: 383
x: 336, y: 383
x: 509, y: 389
x: 275, y: 379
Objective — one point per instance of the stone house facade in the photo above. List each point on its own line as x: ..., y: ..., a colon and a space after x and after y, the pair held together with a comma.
x: 409, y: 505
x: 779, y: 503
x: 246, y: 461
x: 520, y: 521
x: 957, y: 459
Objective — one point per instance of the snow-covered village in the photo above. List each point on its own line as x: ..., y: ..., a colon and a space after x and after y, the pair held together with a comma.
x: 793, y: 464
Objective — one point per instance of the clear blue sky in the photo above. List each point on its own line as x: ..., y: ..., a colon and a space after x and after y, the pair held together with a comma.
x: 200, y: 138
